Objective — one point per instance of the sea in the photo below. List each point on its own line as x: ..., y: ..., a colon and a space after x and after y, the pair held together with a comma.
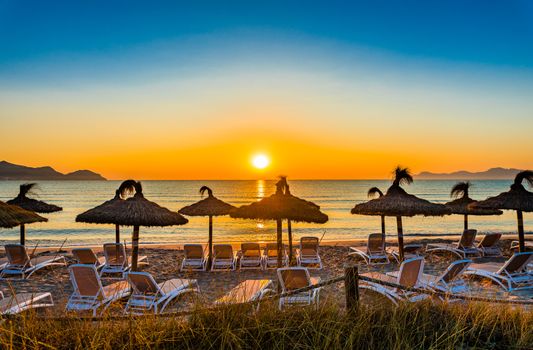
x: 335, y: 198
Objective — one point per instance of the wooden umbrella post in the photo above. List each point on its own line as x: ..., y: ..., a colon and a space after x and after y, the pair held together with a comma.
x: 400, y: 236
x: 289, y: 229
x: 117, y: 233
x: 279, y: 241
x: 383, y: 226
x: 210, y: 243
x: 22, y: 234
x: 135, y: 248
x: 466, y: 222
x: 521, y: 238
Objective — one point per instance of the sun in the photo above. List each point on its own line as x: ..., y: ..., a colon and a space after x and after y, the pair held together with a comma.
x: 260, y: 161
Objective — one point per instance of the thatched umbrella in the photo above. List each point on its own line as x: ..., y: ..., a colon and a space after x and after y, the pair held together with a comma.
x: 517, y: 198
x: 30, y: 204
x: 210, y: 206
x: 280, y: 206
x: 396, y: 202
x: 12, y: 215
x: 371, y: 193
x: 463, y: 204
x: 137, y: 211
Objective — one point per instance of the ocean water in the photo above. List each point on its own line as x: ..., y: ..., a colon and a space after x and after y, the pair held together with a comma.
x: 335, y: 198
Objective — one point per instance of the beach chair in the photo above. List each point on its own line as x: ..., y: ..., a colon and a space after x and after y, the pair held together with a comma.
x: 307, y: 255
x: 86, y: 256
x: 89, y: 294
x: 223, y: 257
x: 411, y: 250
x: 374, y: 252
x: 194, y: 259
x: 19, y: 263
x: 489, y: 245
x: 251, y: 256
x: 464, y: 247
x: 24, y: 301
x: 116, y: 260
x: 292, y: 278
x: 3, y: 263
x: 511, y: 275
x: 271, y: 256
x: 149, y: 296
x: 515, y: 246
x: 247, y: 291
x: 409, y: 275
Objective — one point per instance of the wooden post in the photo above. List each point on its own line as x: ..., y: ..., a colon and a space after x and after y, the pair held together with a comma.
x: 210, y: 243
x: 351, y: 286
x: 466, y: 222
x: 400, y: 236
x: 117, y: 234
x: 383, y: 227
x: 289, y: 229
x: 280, y: 242
x: 521, y: 238
x: 135, y: 248
x: 22, y: 234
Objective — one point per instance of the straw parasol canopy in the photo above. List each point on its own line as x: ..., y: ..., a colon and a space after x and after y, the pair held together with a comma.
x: 32, y: 204
x: 396, y: 202
x: 517, y: 198
x: 463, y: 203
x: 280, y: 206
x: 12, y: 215
x: 137, y: 211
x: 209, y: 206
x: 372, y: 192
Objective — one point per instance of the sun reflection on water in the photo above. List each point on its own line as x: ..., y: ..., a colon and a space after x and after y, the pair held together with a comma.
x: 260, y: 189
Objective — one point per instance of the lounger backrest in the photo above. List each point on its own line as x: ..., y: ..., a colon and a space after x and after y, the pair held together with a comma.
x: 251, y: 249
x: 85, y: 280
x: 376, y: 243
x: 16, y: 254
x: 516, y: 263
x: 142, y: 283
x: 193, y: 251
x: 115, y: 254
x: 223, y: 251
x: 292, y: 278
x: 272, y: 250
x: 309, y: 245
x: 84, y: 255
x: 490, y: 240
x: 455, y: 269
x: 410, y: 272
x: 467, y: 238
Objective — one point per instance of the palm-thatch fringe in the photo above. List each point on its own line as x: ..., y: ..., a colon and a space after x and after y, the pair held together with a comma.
x: 12, y: 215
x: 209, y: 206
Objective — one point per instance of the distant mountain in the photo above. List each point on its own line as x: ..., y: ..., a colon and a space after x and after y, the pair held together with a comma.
x: 491, y: 174
x: 9, y: 171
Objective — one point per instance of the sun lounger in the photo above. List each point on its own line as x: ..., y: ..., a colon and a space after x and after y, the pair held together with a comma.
x: 515, y: 245
x: 116, y: 260
x: 3, y: 263
x: 149, y: 296
x: 374, y: 252
x: 292, y: 278
x: 87, y: 256
x: 24, y: 301
x: 223, y: 257
x: 251, y: 256
x: 409, y: 275
x: 308, y: 253
x: 89, y: 294
x: 464, y: 247
x: 511, y: 275
x: 247, y: 291
x: 19, y: 263
x: 194, y: 258
x: 271, y: 256
x: 489, y: 245
x: 411, y: 250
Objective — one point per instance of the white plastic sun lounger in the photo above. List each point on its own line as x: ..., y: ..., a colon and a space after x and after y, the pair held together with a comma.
x: 24, y: 301
x: 307, y: 255
x: 464, y: 247
x: 374, y: 252
x: 89, y: 294
x: 511, y: 275
x: 411, y: 250
x: 116, y: 260
x: 86, y: 256
x: 194, y: 259
x: 409, y: 275
x: 3, y: 263
x: 149, y: 296
x: 247, y: 291
x: 251, y: 256
x: 271, y: 256
x: 292, y: 278
x: 489, y: 245
x: 223, y: 257
x: 20, y: 264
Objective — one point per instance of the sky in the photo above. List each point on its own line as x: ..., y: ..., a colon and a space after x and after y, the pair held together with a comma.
x: 326, y: 90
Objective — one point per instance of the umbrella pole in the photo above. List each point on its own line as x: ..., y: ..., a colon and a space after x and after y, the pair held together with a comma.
x: 383, y: 227
x: 466, y: 222
x: 22, y: 234
x: 400, y: 236
x: 117, y: 234
x: 279, y: 241
x: 521, y: 238
x: 289, y: 228
x: 210, y: 243
x: 135, y: 248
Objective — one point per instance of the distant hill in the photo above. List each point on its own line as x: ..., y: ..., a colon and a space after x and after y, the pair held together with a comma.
x: 9, y: 171
x: 491, y: 174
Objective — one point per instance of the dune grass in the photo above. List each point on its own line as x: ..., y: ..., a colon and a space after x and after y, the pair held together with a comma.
x: 421, y: 326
